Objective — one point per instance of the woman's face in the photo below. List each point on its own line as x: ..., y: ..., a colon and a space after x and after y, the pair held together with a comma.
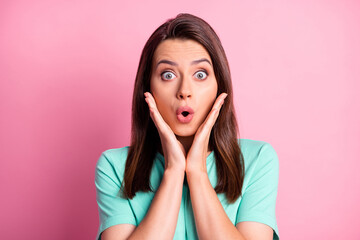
x: 183, y: 76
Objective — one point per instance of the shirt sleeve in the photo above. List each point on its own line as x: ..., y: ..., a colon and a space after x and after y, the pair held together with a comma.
x: 112, y: 208
x: 259, y: 198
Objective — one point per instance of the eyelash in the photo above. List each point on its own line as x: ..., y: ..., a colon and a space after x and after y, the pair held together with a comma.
x: 201, y: 70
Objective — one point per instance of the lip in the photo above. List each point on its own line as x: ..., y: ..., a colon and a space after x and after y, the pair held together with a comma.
x: 182, y: 118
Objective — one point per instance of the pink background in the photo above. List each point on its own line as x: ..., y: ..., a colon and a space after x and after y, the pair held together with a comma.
x: 67, y: 70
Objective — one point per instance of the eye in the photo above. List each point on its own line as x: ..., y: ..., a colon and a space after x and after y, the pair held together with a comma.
x: 201, y: 74
x: 167, y: 75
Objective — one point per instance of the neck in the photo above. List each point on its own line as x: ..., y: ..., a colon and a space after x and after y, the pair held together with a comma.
x: 186, y: 142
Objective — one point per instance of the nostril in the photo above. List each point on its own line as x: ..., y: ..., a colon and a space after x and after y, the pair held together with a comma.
x: 182, y: 96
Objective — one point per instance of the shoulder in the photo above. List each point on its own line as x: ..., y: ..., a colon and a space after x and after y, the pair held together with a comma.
x: 115, y: 154
x: 112, y: 160
x: 260, y: 185
x: 258, y: 153
x: 249, y: 145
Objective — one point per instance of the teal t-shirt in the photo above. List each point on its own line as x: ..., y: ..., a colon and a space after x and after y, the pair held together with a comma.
x: 257, y: 202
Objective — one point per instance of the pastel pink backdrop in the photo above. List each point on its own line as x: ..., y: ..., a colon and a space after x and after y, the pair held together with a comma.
x: 67, y: 70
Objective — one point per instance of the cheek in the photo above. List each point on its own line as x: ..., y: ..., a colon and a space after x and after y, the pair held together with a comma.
x: 207, y: 99
x: 157, y: 88
x: 208, y: 95
x: 162, y: 104
x: 161, y: 95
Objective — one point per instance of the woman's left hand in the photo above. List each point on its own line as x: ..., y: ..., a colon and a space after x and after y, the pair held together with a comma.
x: 197, y: 154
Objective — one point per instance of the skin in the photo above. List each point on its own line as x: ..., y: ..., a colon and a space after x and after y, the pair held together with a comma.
x: 184, y: 84
x: 185, y: 148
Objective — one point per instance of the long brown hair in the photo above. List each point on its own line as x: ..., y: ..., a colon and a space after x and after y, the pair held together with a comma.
x: 145, y: 140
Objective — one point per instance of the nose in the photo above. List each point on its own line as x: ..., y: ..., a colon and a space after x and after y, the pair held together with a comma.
x: 184, y: 89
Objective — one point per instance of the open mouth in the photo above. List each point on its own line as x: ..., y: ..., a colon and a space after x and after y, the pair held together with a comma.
x: 185, y: 113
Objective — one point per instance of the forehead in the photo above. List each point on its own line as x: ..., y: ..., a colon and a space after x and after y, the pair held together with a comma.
x: 180, y: 50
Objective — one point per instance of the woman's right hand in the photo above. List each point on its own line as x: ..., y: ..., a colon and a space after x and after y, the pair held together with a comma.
x: 174, y: 152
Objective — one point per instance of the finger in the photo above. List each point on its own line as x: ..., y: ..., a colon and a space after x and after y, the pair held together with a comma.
x: 214, y: 113
x: 219, y: 101
x: 155, y: 114
x: 212, y: 116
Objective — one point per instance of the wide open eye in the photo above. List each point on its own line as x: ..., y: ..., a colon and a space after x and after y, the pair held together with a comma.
x: 167, y: 75
x: 201, y: 74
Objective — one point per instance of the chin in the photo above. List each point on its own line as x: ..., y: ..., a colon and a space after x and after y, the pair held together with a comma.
x: 184, y: 132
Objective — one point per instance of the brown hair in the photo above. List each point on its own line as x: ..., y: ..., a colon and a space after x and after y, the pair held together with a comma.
x: 145, y: 140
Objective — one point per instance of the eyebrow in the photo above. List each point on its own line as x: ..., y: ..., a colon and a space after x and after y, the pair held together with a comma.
x: 175, y: 64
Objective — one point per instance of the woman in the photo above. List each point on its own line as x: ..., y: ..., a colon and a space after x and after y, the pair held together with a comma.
x: 186, y: 175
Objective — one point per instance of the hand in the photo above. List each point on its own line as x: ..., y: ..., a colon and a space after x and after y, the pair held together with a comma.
x: 196, y: 157
x: 174, y: 152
